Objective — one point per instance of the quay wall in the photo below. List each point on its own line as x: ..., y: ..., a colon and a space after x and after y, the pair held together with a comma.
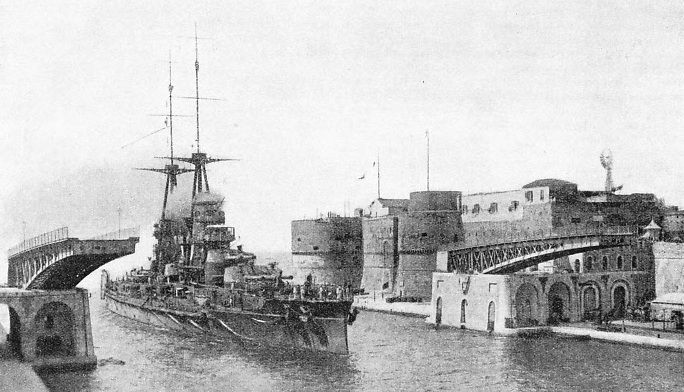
x: 478, y: 302
x: 527, y: 300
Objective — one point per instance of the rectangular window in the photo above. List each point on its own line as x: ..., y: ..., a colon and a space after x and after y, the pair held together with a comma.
x: 514, y: 206
x: 476, y: 209
x: 529, y: 196
x: 493, y: 208
x: 541, y: 195
x: 465, y: 210
x: 575, y: 220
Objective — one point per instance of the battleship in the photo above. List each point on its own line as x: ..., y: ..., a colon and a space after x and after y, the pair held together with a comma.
x: 200, y: 280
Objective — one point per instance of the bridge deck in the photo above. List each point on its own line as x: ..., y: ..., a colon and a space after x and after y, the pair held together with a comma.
x: 520, y: 252
x: 54, y: 261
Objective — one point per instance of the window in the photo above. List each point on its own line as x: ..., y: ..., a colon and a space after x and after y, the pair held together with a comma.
x: 604, y: 262
x: 541, y: 195
x: 529, y: 196
x: 315, y: 248
x: 577, y: 265
x: 575, y: 220
x: 465, y: 210
x: 493, y: 208
x: 423, y: 234
x: 619, y: 262
x: 635, y: 262
x: 513, y: 206
x: 476, y: 209
x: 588, y: 265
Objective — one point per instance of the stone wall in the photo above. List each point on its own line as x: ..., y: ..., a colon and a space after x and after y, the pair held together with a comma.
x: 669, y: 267
x: 45, y: 315
x: 465, y: 301
x: 524, y: 300
x: 380, y: 252
x: 334, y: 234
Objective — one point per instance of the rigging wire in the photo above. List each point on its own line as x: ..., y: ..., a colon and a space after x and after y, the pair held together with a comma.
x: 148, y: 135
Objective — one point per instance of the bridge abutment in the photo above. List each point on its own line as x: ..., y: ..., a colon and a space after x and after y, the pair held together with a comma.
x: 50, y: 329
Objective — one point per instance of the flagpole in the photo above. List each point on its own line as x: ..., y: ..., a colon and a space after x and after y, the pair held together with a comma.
x: 427, y: 134
x: 378, y: 174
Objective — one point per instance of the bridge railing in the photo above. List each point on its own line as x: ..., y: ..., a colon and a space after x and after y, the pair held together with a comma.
x: 50, y: 237
x: 559, y: 232
x: 122, y: 234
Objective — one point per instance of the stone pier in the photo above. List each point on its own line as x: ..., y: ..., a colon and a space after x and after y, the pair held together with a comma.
x: 50, y: 329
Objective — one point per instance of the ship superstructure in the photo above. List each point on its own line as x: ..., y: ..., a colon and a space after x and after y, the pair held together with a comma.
x: 199, y: 281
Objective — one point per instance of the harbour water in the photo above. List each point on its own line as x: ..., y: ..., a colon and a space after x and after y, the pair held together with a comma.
x: 387, y: 352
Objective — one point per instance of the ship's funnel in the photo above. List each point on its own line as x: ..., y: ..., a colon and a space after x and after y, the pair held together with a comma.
x: 178, y: 207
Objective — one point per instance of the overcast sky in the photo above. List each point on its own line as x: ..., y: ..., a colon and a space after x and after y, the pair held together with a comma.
x: 314, y: 91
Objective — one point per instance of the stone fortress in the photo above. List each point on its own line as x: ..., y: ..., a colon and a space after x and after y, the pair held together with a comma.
x: 573, y: 287
x: 417, y: 249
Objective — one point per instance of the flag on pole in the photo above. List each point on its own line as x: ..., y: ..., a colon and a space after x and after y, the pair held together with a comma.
x: 363, y: 176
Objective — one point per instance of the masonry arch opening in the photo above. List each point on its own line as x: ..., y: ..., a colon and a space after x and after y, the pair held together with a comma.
x: 438, y: 312
x: 559, y: 303
x: 619, y: 299
x: 10, y: 331
x: 590, y: 302
x: 54, y: 324
x: 491, y: 316
x: 526, y: 306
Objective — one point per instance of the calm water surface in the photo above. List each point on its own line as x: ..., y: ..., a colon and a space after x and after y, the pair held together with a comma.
x: 388, y: 352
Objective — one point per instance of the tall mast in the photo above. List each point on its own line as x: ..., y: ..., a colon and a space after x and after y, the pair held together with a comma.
x: 378, y: 174
x: 197, y: 87
x: 170, y: 108
x: 171, y: 170
x: 199, y: 159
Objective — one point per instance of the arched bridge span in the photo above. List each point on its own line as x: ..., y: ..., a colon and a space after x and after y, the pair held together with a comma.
x: 519, y: 253
x: 53, y: 261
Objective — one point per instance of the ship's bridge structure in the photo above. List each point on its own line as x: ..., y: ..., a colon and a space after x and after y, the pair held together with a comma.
x: 55, y: 261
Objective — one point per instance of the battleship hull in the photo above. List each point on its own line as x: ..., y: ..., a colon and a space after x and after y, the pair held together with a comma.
x: 326, y: 334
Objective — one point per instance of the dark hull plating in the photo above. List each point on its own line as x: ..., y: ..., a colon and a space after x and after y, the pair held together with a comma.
x: 327, y: 334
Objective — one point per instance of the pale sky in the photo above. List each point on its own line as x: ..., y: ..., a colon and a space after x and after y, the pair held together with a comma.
x: 313, y: 91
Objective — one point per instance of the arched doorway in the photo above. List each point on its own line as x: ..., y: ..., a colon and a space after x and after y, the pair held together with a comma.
x: 590, y: 302
x: 559, y: 303
x: 526, y: 306
x: 491, y: 316
x: 619, y: 300
x: 464, y: 305
x: 438, y: 312
x: 54, y: 325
